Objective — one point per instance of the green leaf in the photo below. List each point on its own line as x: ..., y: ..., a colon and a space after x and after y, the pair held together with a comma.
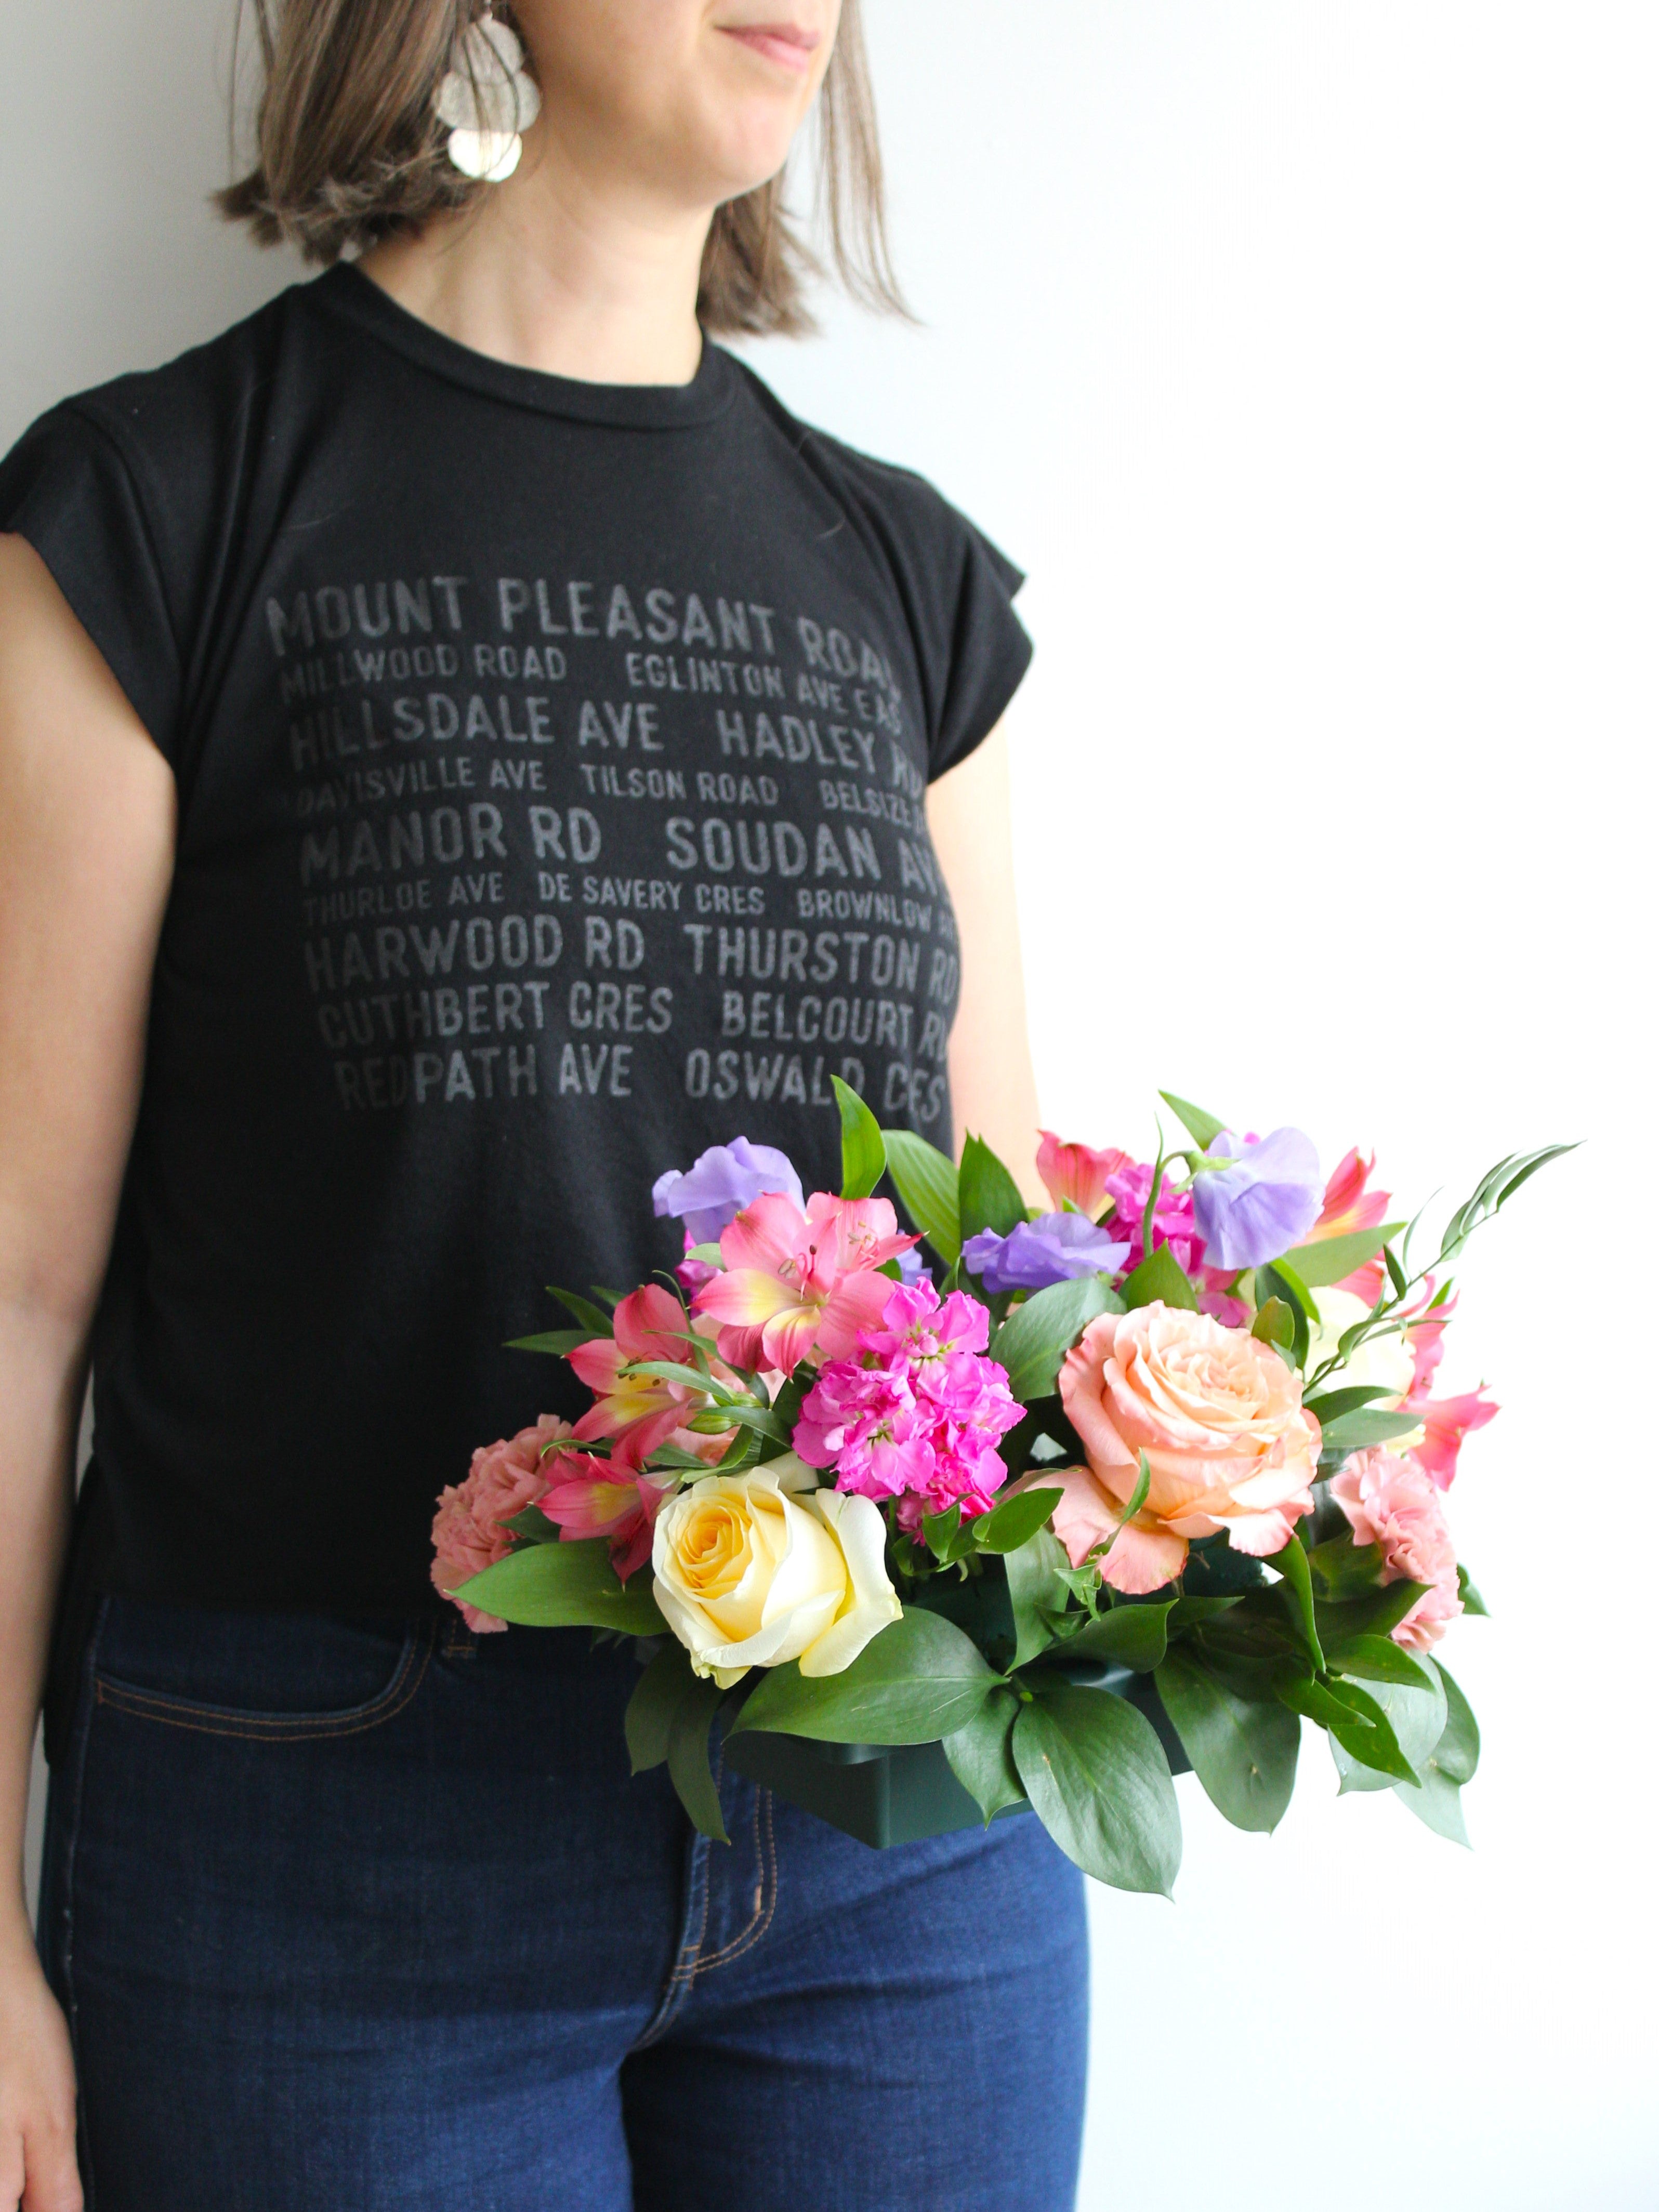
x: 1354, y: 1431
x: 1192, y: 1612
x: 926, y: 1181
x: 1373, y: 1615
x: 761, y: 1418
x: 594, y: 1319
x: 1457, y: 1754
x: 1473, y: 1601
x: 682, y: 1462
x: 533, y: 1526
x: 1010, y: 1524
x: 981, y: 1757
x: 1438, y: 1803
x: 1095, y: 1773
x: 1331, y: 1405
x: 1034, y: 1340
x: 987, y: 1197
x: 863, y: 1156
x: 1416, y: 1717
x: 1244, y: 1753
x: 1132, y: 1635
x: 1275, y: 1324
x: 1377, y: 1659
x: 1328, y: 1259
x: 1292, y: 1563
x: 918, y: 1680
x: 1159, y: 1276
x: 558, y: 1343
x: 672, y: 1370
x: 1343, y: 1570
x: 565, y: 1586
x: 940, y: 1531
x: 1033, y: 1586
x: 1142, y: 1491
x: 1203, y: 1128
x: 1497, y: 1185
x: 1355, y: 1720
x: 660, y: 1692
x: 1288, y: 1289
x: 687, y: 1759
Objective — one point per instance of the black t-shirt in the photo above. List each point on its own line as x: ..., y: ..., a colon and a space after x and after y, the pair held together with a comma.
x: 550, y: 761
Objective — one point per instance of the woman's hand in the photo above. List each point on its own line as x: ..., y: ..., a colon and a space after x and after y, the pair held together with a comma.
x: 37, y: 2168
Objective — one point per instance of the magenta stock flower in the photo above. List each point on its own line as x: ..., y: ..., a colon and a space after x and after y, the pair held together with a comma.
x: 918, y: 1414
x: 1172, y: 1218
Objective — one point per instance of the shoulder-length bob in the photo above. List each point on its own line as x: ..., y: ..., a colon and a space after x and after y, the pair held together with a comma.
x: 350, y: 150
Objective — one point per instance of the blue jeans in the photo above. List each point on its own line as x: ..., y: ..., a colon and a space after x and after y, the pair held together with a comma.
x: 347, y: 1915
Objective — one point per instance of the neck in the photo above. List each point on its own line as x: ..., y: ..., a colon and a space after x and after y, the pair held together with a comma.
x: 558, y: 272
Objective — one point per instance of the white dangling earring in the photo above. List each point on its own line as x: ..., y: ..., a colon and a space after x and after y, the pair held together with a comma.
x: 488, y: 99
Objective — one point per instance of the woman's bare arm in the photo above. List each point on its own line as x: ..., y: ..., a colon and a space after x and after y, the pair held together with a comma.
x: 86, y: 857
x: 992, y: 1086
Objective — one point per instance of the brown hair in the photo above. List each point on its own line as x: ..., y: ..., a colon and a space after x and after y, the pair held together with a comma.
x: 350, y: 151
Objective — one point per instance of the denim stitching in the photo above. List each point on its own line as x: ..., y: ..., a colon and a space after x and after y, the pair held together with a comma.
x: 746, y: 1938
x: 280, y: 1728
x: 686, y: 1957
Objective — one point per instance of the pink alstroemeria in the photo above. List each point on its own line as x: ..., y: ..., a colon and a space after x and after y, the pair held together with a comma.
x: 593, y: 1496
x: 1446, y: 1422
x: 796, y: 1283
x: 639, y: 1411
x: 1425, y: 1338
x: 1348, y: 1208
x: 1075, y: 1175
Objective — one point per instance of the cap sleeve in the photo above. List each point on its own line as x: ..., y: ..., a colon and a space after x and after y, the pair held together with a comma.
x: 957, y: 591
x: 981, y: 645
x: 67, y: 489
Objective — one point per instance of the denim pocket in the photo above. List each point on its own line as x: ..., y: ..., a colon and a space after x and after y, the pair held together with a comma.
x: 272, y: 1678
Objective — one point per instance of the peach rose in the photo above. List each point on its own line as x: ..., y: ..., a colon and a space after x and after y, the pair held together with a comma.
x: 1394, y: 1504
x: 1220, y: 1417
x: 466, y: 1532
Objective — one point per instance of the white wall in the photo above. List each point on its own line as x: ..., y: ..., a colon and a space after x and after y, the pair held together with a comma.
x: 1305, y: 353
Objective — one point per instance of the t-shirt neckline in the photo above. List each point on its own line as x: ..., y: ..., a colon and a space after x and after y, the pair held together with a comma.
x: 347, y: 292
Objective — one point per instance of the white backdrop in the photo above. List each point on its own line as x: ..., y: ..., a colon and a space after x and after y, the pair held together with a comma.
x: 1305, y: 353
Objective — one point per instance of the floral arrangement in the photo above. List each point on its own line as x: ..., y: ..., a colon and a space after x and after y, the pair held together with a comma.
x: 1159, y: 1472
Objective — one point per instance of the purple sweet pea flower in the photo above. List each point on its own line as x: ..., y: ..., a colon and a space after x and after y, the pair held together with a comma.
x: 1260, y: 1209
x: 719, y: 1184
x: 913, y: 1269
x: 1055, y: 1247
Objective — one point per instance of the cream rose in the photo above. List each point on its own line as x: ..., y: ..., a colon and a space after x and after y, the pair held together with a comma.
x: 1218, y: 1416
x: 755, y: 1569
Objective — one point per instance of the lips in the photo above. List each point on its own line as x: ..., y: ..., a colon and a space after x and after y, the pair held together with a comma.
x: 786, y: 45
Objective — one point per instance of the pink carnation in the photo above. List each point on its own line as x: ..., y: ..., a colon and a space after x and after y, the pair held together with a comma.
x: 466, y: 1532
x: 1394, y: 1504
x: 918, y: 1414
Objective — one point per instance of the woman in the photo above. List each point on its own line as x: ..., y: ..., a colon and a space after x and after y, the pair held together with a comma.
x: 463, y: 749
